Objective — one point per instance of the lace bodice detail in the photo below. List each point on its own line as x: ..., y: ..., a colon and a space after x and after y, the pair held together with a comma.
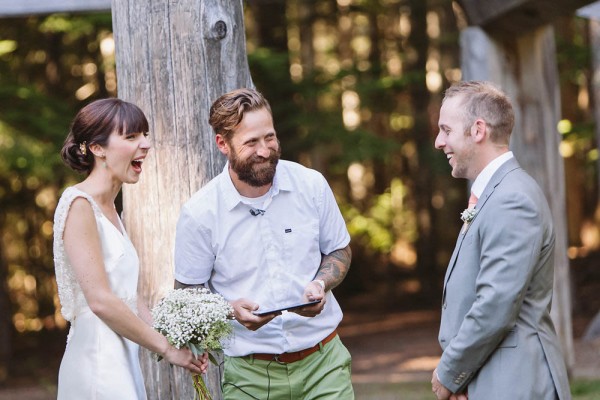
x: 120, y: 259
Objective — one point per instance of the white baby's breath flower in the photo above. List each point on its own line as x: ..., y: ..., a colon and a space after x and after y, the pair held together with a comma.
x: 194, y: 318
x: 197, y: 319
x: 468, y: 214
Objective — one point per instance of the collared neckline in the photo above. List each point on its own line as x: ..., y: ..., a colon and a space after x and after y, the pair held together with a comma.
x: 486, y: 174
x: 281, y: 182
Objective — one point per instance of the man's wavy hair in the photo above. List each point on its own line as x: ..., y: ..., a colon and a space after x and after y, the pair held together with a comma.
x: 227, y: 111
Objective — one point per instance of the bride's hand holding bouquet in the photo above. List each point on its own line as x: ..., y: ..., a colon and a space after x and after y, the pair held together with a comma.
x: 197, y: 319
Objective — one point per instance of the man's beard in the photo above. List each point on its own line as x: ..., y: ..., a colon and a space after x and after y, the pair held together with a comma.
x: 249, y: 173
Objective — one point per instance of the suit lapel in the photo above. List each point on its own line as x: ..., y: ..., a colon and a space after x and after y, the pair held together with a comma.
x: 498, y: 176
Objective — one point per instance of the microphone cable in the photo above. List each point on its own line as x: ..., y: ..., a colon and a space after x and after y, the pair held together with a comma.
x: 245, y: 392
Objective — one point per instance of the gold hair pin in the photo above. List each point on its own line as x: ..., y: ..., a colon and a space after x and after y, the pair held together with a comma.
x: 83, y: 148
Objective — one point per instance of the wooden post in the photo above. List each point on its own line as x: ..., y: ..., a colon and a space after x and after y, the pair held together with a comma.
x: 173, y: 60
x: 525, y: 67
x: 593, y: 328
x: 514, y: 17
x: 595, y: 84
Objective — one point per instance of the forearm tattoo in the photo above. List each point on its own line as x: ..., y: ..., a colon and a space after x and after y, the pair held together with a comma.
x: 334, y: 267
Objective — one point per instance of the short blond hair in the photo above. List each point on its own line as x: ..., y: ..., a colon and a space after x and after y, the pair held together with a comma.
x: 485, y: 100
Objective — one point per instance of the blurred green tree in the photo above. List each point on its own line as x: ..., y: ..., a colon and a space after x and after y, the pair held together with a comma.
x: 49, y: 67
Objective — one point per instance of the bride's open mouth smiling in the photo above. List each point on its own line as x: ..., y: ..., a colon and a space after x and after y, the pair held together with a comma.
x: 137, y: 164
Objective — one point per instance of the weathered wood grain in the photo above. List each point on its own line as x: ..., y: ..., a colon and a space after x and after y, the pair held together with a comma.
x: 174, y: 58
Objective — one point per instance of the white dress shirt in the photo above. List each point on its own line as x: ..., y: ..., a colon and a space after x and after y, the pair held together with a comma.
x: 268, y: 258
x: 486, y: 174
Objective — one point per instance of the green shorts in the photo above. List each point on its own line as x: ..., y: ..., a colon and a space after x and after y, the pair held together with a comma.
x: 322, y: 375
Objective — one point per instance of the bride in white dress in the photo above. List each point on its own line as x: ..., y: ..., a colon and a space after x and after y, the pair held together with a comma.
x: 96, y: 264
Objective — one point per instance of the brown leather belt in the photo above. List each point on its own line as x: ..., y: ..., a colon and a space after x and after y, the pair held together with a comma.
x: 296, y: 355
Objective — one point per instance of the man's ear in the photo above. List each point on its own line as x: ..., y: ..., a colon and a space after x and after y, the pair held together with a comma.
x: 479, y: 130
x: 222, y: 144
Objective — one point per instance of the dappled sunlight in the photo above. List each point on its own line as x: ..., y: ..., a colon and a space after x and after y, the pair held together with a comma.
x: 355, y: 326
x: 85, y: 91
x: 590, y: 235
x: 403, y: 253
x: 361, y: 180
x: 350, y: 109
x: 401, y: 121
x: 397, y: 362
x: 420, y: 364
x: 394, y: 347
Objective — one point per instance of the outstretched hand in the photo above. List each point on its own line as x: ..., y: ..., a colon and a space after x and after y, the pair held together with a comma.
x: 242, y: 312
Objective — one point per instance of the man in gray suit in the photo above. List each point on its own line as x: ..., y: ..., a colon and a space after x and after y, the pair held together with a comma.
x: 497, y: 337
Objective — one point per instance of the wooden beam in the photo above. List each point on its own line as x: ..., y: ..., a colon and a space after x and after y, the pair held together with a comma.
x: 22, y: 8
x: 591, y: 11
x: 513, y: 17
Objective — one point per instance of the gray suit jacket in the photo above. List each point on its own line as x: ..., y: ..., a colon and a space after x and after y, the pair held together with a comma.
x: 498, y: 339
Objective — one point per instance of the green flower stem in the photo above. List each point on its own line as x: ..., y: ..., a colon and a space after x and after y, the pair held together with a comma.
x: 200, y: 387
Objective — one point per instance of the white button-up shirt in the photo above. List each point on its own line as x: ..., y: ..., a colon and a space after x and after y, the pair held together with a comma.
x: 268, y: 258
x: 486, y: 174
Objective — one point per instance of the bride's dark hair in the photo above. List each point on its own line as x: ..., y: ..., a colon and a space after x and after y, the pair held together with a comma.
x: 94, y: 124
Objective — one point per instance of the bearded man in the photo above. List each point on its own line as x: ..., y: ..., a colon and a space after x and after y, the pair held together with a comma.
x: 267, y: 234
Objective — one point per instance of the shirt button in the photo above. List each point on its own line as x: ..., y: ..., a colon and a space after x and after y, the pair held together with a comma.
x: 444, y: 305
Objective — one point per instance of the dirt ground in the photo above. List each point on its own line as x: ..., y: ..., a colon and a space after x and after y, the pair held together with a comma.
x: 402, y: 347
x: 388, y: 347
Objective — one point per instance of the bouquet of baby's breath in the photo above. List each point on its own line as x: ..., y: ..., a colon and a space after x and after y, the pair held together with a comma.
x: 197, y: 319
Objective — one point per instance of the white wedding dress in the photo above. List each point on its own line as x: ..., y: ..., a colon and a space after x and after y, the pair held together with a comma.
x: 98, y: 363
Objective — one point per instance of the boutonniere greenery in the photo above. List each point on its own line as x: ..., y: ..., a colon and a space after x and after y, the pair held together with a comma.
x: 468, y: 214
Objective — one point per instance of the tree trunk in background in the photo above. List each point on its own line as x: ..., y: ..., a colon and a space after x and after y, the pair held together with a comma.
x: 577, y: 209
x: 525, y: 67
x: 305, y: 15
x: 595, y: 85
x: 271, y: 33
x: 271, y: 23
x: 423, y: 191
x: 173, y: 60
x: 595, y: 55
x: 6, y: 326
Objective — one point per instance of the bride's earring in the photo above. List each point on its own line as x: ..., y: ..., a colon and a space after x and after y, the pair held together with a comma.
x: 104, y: 161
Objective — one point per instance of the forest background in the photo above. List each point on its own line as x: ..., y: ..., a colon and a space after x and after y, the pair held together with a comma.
x: 355, y: 88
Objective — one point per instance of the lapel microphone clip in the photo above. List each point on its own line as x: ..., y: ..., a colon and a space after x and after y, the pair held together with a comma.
x: 256, y: 211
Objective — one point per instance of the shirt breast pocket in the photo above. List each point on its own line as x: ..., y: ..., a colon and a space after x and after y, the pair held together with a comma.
x: 301, y: 244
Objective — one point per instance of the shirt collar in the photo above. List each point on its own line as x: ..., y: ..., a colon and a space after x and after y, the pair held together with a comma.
x: 486, y: 174
x: 281, y: 182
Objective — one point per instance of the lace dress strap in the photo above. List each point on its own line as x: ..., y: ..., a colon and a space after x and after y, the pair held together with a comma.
x: 69, y: 292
